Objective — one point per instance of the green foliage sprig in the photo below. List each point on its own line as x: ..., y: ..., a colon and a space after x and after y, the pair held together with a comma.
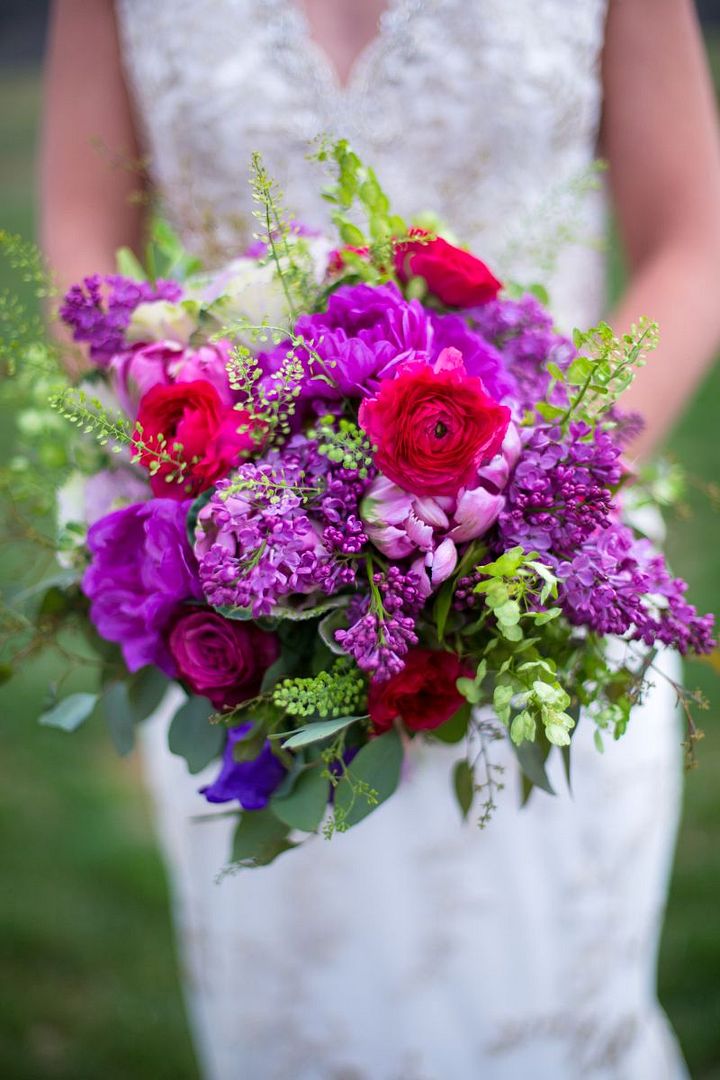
x: 338, y: 692
x: 600, y: 374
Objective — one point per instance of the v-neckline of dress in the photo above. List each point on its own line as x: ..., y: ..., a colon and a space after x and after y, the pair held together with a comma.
x: 325, y: 65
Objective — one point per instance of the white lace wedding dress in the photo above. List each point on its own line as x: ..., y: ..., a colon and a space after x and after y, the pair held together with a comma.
x: 415, y: 948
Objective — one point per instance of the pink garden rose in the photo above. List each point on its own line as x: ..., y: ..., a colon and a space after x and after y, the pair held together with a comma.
x: 165, y: 363
x: 434, y: 426
x: 219, y: 658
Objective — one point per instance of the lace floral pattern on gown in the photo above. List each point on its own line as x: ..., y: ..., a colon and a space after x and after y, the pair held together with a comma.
x: 415, y: 948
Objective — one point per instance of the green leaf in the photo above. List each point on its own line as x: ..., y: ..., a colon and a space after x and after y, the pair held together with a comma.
x: 327, y: 626
x: 469, y: 689
x: 313, y: 611
x: 119, y: 716
x: 238, y: 614
x: 531, y: 757
x: 192, y: 737
x: 378, y: 765
x: 129, y: 265
x: 70, y: 713
x: 316, y: 732
x: 599, y: 744
x: 259, y: 838
x: 6, y: 673
x: 249, y: 746
x: 464, y: 785
x: 441, y: 608
x: 146, y: 689
x: 454, y: 730
x: 305, y: 806
x: 350, y: 234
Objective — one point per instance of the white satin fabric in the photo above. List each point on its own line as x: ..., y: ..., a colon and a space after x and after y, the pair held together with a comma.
x: 416, y: 948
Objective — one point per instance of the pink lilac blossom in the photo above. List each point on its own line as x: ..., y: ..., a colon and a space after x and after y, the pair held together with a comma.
x: 99, y: 309
x: 141, y: 571
x: 380, y: 635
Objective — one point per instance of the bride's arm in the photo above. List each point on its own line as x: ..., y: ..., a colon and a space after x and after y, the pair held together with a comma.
x: 88, y: 145
x: 660, y: 136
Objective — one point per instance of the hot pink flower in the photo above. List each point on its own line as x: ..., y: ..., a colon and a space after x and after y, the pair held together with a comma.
x: 165, y: 363
x: 434, y: 426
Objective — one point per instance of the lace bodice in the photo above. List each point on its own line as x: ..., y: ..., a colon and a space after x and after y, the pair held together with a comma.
x: 486, y: 113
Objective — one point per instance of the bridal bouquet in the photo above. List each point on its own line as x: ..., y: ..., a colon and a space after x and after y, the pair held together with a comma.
x: 351, y: 494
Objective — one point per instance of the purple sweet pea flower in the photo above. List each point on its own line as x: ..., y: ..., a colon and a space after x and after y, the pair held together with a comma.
x: 163, y: 363
x: 142, y: 570
x: 250, y: 782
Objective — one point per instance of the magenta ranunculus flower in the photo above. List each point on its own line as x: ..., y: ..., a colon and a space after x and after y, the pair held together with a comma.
x: 434, y: 426
x: 221, y: 659
x: 141, y: 571
x: 164, y: 363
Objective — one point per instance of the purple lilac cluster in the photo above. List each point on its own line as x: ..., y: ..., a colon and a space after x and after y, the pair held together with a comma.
x: 261, y: 543
x: 617, y: 584
x: 522, y: 331
x: 98, y: 311
x: 380, y: 634
x: 561, y: 490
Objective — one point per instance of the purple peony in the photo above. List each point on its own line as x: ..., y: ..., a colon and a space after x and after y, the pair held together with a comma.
x: 98, y: 310
x: 142, y: 570
x: 250, y: 782
x: 220, y: 658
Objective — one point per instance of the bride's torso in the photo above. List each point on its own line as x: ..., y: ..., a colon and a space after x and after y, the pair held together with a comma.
x: 485, y: 113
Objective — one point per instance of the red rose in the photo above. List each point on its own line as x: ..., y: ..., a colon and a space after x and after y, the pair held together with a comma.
x: 454, y: 276
x: 194, y: 416
x: 221, y: 659
x: 423, y: 695
x: 433, y: 426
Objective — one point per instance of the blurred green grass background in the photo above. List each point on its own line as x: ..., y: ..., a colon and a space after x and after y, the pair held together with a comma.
x: 89, y: 981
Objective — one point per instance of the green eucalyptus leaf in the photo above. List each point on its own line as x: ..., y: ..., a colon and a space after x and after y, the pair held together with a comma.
x: 119, y: 716
x: 464, y: 786
x: 193, y: 737
x: 454, y: 730
x: 327, y: 626
x: 469, y: 689
x: 318, y: 731
x: 259, y: 838
x: 146, y: 689
x: 305, y: 806
x: 70, y: 713
x: 377, y: 764
x: 531, y: 757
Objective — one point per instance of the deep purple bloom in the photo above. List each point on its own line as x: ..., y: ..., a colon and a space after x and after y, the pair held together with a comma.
x: 250, y: 782
x: 99, y: 309
x: 480, y: 357
x: 142, y: 570
x: 367, y: 332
